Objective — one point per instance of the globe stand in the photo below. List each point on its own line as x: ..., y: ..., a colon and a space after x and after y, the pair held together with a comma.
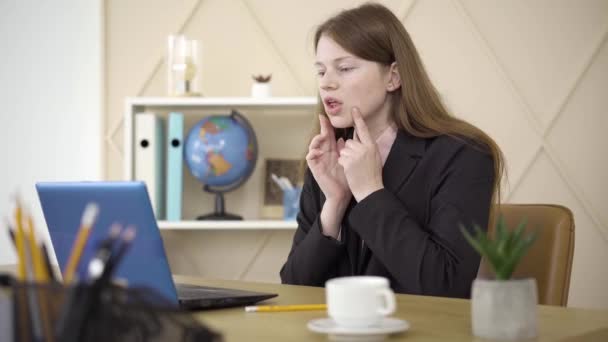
x: 219, y: 212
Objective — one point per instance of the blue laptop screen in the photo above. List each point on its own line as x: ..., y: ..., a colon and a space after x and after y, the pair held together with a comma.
x: 126, y: 203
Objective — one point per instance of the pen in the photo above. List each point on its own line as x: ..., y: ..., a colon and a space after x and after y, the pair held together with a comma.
x: 127, y: 238
x: 103, y: 253
x: 278, y: 182
x: 279, y: 308
x: 286, y: 182
x: 11, y: 232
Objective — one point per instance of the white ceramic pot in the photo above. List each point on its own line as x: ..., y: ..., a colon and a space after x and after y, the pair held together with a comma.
x: 504, y: 309
x: 260, y: 90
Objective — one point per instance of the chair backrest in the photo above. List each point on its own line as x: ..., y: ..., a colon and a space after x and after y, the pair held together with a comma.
x: 549, y: 260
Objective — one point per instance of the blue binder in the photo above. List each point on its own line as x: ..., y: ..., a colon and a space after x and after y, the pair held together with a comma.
x: 175, y: 137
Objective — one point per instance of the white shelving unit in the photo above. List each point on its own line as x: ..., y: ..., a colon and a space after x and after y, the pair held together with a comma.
x: 229, y: 225
x: 134, y: 105
x: 222, y: 102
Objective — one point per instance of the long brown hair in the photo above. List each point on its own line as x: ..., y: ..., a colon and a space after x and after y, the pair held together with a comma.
x: 372, y: 32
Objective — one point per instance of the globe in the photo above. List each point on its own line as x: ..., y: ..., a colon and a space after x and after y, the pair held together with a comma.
x: 221, y: 152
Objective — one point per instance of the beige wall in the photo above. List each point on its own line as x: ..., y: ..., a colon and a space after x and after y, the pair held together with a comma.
x: 533, y: 74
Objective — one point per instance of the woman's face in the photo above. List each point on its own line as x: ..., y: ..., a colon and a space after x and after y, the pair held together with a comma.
x: 346, y: 81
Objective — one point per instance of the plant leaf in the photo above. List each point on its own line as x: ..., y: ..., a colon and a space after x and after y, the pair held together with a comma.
x: 505, y: 251
x: 517, y: 232
x: 480, y: 243
x: 490, y: 250
x: 519, y: 250
x: 474, y: 242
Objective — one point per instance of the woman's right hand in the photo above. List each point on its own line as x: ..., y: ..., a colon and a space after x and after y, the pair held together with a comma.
x: 322, y: 160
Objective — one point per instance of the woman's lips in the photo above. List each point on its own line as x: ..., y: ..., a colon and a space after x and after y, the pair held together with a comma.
x: 332, y: 106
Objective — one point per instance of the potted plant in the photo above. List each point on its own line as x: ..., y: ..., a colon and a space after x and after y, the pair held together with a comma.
x: 261, y: 87
x: 503, y: 308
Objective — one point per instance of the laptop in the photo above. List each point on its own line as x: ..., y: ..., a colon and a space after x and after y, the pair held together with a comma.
x: 146, y: 263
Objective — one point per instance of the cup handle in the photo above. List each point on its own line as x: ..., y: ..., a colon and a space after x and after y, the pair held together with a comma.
x: 389, y: 299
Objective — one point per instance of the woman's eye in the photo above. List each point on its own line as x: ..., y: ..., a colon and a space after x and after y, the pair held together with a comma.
x: 320, y: 73
x: 345, y: 69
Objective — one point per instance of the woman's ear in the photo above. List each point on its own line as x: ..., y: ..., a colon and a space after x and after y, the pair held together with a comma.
x: 394, y: 80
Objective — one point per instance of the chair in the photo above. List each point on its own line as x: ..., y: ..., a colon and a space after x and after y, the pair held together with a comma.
x: 549, y: 260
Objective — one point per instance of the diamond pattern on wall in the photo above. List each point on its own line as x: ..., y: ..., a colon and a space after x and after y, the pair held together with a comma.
x: 543, y: 131
x: 230, y: 58
x: 526, y: 34
x: 470, y: 83
x: 579, y: 137
x: 295, y: 41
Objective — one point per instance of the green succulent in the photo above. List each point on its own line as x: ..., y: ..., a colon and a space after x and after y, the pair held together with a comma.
x: 506, y: 250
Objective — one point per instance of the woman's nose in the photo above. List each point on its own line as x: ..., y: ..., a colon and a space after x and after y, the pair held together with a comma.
x: 328, y: 81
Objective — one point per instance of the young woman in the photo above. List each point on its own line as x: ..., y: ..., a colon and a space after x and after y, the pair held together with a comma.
x: 391, y: 174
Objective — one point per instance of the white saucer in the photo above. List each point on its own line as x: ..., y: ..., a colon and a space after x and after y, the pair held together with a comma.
x: 388, y: 325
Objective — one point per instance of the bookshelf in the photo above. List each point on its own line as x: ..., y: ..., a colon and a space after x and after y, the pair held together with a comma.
x: 264, y: 111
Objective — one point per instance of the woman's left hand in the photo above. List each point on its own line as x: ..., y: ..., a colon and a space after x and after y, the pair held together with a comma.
x: 361, y: 160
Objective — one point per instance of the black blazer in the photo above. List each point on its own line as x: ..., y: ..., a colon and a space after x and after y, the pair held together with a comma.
x: 407, y: 232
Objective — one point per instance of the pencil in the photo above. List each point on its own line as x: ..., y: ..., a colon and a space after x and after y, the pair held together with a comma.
x: 40, y: 313
x: 47, y: 263
x: 40, y: 272
x: 31, y: 290
x: 42, y: 277
x: 279, y: 308
x: 20, y: 242
x: 88, y: 218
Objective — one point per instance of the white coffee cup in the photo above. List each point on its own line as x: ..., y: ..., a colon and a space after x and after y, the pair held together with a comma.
x: 359, y: 301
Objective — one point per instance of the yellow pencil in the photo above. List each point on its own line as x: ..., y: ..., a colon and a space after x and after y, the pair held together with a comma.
x: 88, y: 218
x: 279, y: 308
x: 20, y: 242
x: 40, y: 271
x: 41, y: 276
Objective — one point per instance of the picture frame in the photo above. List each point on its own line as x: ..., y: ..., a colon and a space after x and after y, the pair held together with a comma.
x: 272, y: 202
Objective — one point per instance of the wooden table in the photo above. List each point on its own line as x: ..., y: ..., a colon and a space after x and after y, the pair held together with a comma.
x: 431, y: 318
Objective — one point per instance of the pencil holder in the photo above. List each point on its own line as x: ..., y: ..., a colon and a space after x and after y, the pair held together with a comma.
x: 53, y: 312
x: 291, y: 203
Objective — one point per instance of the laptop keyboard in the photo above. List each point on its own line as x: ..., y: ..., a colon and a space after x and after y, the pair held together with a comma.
x: 194, y: 292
